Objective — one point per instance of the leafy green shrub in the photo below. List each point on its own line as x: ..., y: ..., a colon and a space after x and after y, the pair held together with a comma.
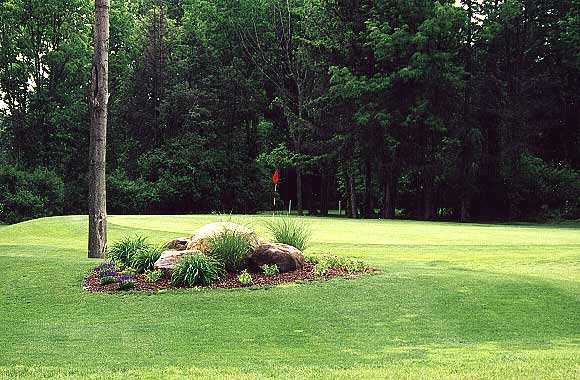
x: 542, y: 190
x: 353, y: 265
x: 230, y: 248
x: 130, y: 195
x: 106, y: 280
x: 27, y: 194
x: 321, y: 268
x: 154, y: 275
x: 325, y: 262
x: 312, y: 259
x: 129, y: 271
x: 290, y: 231
x: 144, y: 258
x: 122, y: 250
x: 197, y: 269
x: 245, y: 278
x: 270, y: 269
x: 119, y: 265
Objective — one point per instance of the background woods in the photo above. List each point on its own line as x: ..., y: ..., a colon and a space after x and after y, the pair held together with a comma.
x: 418, y: 109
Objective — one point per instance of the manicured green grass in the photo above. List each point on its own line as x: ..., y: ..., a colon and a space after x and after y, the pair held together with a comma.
x: 451, y: 301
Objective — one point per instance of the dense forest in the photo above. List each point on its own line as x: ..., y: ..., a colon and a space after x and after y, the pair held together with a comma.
x: 460, y: 110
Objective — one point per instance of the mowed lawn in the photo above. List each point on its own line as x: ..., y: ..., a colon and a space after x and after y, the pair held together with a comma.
x: 450, y: 301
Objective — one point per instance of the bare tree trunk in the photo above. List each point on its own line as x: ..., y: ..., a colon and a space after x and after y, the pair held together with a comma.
x: 298, y: 147
x: 299, y: 206
x: 428, y: 204
x: 323, y: 191
x: 467, y: 148
x: 464, y: 216
x: 98, y: 136
x: 309, y: 190
x: 388, y: 211
x: 369, y: 211
x: 353, y: 206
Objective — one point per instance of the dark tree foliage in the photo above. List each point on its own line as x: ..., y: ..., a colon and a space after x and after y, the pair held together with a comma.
x: 417, y: 109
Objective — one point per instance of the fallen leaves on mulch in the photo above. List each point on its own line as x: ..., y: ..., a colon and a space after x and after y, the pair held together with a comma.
x: 230, y: 281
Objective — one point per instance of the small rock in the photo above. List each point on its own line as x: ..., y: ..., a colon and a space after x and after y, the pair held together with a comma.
x: 168, y: 259
x: 286, y: 257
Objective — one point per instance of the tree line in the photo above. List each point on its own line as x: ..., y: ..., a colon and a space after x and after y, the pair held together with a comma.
x: 462, y: 110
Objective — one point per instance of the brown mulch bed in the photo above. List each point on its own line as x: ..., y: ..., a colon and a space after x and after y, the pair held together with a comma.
x: 92, y: 284
x: 229, y: 282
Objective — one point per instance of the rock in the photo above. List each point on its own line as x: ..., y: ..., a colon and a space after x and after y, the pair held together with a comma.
x: 286, y: 257
x: 178, y: 244
x: 200, y: 240
x: 168, y: 259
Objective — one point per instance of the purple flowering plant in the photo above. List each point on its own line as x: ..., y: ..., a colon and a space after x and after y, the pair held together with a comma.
x: 126, y: 282
x: 105, y: 266
x: 125, y: 277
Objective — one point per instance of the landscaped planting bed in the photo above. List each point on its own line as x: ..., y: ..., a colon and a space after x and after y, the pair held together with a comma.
x: 218, y: 255
x: 229, y: 281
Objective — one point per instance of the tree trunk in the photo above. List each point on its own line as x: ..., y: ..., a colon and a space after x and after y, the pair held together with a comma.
x: 299, y: 206
x: 98, y: 135
x: 467, y: 144
x: 388, y: 198
x: 369, y: 209
x: 428, y: 206
x: 323, y: 192
x: 464, y: 209
x: 310, y: 198
x: 346, y: 204
x: 353, y: 206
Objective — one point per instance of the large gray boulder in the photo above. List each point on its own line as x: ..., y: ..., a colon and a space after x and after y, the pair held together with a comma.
x: 200, y: 242
x: 286, y: 257
x: 178, y: 244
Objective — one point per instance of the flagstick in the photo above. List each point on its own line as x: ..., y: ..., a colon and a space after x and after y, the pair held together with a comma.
x: 275, y: 179
x: 274, y: 196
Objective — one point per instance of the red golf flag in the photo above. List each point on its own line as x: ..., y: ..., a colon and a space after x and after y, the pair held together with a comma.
x: 276, y: 176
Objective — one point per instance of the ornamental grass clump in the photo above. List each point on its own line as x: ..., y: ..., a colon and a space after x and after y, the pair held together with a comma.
x: 123, y: 249
x: 290, y: 231
x: 134, y: 252
x: 230, y: 248
x: 143, y: 259
x: 197, y: 269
